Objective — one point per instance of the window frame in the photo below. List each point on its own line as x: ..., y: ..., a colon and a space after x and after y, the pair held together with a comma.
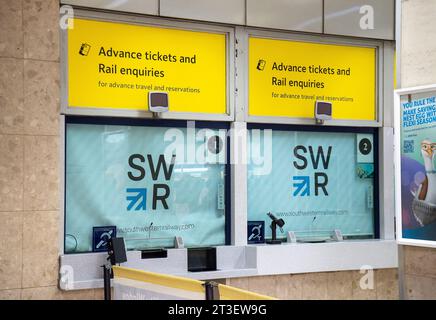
x: 381, y: 93
x: 145, y: 123
x: 369, y: 130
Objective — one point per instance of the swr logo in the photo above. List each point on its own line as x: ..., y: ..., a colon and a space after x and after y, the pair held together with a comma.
x: 302, y: 183
x: 137, y: 197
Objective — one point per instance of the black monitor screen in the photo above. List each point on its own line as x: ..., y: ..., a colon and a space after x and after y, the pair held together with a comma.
x: 201, y: 259
x: 324, y: 108
x: 159, y: 100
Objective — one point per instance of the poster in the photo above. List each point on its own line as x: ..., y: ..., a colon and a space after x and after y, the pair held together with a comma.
x: 317, y: 182
x: 115, y: 66
x: 416, y: 185
x: 151, y: 183
x: 287, y: 77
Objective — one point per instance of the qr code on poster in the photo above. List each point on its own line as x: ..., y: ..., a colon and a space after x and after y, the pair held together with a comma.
x: 409, y: 146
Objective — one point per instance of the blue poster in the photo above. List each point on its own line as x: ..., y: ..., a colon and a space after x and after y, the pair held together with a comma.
x: 317, y: 182
x: 418, y: 173
x: 151, y: 183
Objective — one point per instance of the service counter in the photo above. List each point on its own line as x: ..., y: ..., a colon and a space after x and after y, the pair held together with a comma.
x: 242, y: 261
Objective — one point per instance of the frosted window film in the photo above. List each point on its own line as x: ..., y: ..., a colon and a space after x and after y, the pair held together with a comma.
x: 152, y: 183
x: 315, y: 181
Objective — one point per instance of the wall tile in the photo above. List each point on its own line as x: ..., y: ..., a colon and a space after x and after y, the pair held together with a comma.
x: 225, y: 11
x: 358, y: 292
x: 150, y: 7
x: 340, y: 285
x: 40, y: 248
x: 11, y: 96
x: 53, y: 293
x: 315, y: 286
x: 98, y: 294
x: 11, y: 31
x: 264, y: 285
x: 11, y: 232
x: 41, y: 29
x: 342, y: 17
x: 420, y: 261
x: 41, y: 173
x: 89, y: 294
x: 11, y: 173
x: 241, y: 283
x: 41, y: 97
x: 10, y: 294
x: 386, y: 282
x: 290, y: 287
x: 420, y: 288
x: 418, y: 60
x: 297, y: 15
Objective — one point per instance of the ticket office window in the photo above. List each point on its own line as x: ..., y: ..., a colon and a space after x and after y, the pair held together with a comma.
x: 316, y: 179
x: 146, y: 181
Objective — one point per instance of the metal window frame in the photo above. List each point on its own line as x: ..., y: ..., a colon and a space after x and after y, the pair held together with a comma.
x: 318, y: 39
x: 102, y: 121
x: 229, y: 33
x: 398, y: 43
x: 376, y: 219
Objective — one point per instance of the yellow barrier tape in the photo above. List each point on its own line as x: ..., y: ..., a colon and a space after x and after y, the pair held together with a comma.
x: 232, y: 293
x: 159, y: 279
x: 226, y: 292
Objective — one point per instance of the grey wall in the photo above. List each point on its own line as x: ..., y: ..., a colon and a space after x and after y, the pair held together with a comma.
x: 339, y: 17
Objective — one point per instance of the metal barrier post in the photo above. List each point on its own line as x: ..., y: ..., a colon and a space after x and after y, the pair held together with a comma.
x: 107, y: 268
x: 211, y: 290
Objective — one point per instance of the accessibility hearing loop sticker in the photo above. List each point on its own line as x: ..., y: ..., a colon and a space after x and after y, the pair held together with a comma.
x: 101, y: 237
x: 255, y: 232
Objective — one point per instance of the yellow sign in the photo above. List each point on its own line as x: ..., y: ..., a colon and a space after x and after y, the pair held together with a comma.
x: 287, y: 77
x: 116, y: 65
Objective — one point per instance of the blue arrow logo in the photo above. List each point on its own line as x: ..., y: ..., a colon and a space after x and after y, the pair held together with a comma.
x: 301, y: 185
x: 139, y: 198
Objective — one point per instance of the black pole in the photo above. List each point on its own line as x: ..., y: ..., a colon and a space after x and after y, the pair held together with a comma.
x: 211, y: 290
x: 107, y: 282
x: 273, y: 234
x: 274, y: 230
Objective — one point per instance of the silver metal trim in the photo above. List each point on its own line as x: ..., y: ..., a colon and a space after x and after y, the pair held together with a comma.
x: 239, y: 182
x: 398, y: 39
x: 386, y: 184
x: 306, y: 121
x: 240, y: 83
x: 62, y: 160
x: 398, y: 42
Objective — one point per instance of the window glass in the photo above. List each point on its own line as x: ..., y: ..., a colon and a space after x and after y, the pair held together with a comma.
x: 151, y: 183
x: 317, y: 182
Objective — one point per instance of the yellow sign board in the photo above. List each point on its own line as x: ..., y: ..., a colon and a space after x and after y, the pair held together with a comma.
x: 287, y: 77
x: 116, y: 65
